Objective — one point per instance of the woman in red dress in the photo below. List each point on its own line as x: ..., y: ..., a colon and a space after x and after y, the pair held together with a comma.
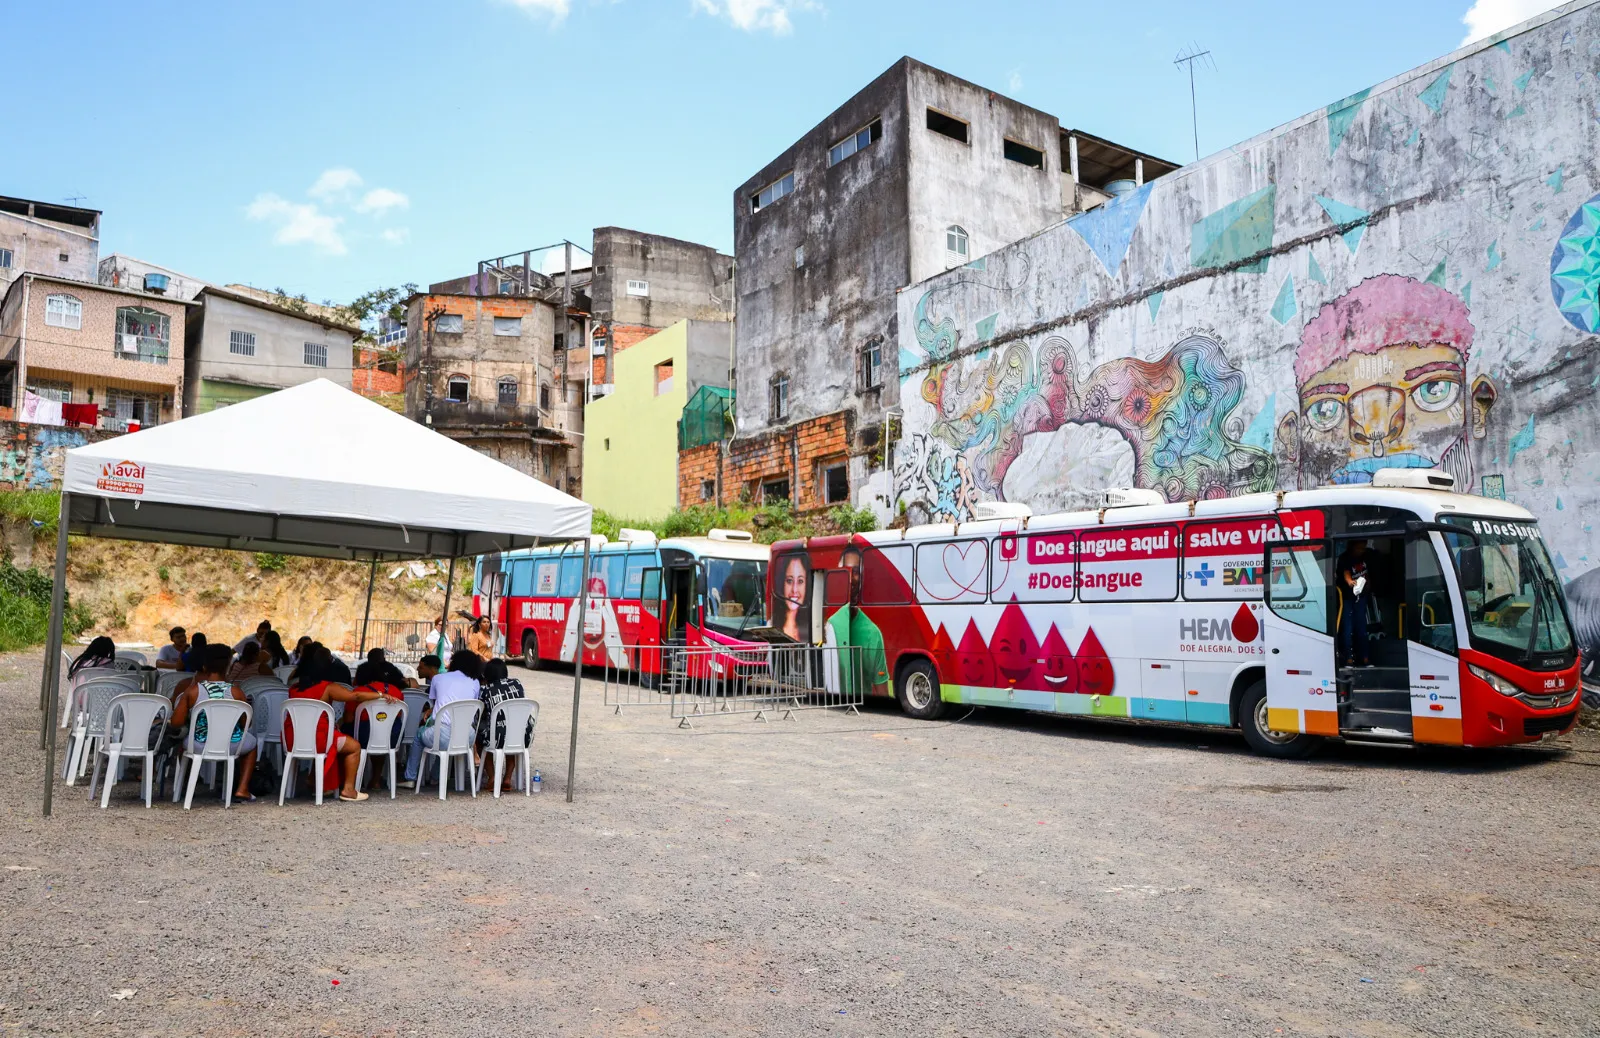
x: 344, y: 752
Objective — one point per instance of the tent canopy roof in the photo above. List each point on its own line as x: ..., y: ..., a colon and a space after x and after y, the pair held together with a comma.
x: 312, y: 470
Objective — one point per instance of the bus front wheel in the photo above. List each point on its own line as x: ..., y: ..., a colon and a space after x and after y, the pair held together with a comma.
x: 917, y: 689
x: 530, y: 650
x: 1253, y: 722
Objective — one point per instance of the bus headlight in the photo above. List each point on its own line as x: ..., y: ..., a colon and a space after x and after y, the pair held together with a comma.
x: 1494, y: 681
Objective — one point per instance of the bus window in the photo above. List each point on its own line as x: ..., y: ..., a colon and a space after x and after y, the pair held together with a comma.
x: 1226, y: 560
x: 886, y: 574
x: 1429, y: 621
x: 571, y: 577
x: 610, y: 568
x: 838, y: 587
x: 953, y: 571
x: 649, y: 587
x: 638, y: 562
x: 546, y: 577
x: 1300, y: 586
x: 521, y: 585
x: 1034, y: 567
x: 1128, y: 564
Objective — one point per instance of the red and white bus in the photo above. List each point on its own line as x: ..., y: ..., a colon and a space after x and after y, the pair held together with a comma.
x: 1219, y: 612
x: 644, y: 594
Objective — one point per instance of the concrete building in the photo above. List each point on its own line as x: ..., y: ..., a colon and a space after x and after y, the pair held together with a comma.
x: 641, y: 283
x: 1406, y: 277
x: 631, y: 436
x: 238, y: 348
x: 82, y: 343
x: 44, y: 238
x: 918, y: 173
x: 120, y: 271
x: 486, y: 372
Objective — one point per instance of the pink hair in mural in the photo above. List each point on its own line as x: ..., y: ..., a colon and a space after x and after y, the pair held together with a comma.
x: 1380, y: 312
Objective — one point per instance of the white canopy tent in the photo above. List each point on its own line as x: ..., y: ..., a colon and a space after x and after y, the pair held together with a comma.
x: 312, y: 470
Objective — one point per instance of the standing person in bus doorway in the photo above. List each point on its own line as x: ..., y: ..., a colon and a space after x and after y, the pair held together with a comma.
x: 850, y: 626
x: 790, y: 613
x: 1352, y: 570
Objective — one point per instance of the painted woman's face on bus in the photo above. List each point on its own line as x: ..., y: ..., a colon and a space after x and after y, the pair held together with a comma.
x: 794, y: 584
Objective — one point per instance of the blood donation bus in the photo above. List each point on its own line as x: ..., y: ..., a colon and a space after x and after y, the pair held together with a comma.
x: 1219, y: 612
x: 643, y: 594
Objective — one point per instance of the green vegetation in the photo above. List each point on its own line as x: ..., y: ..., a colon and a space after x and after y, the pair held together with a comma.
x: 769, y: 523
x: 40, y: 507
x: 270, y: 561
x: 25, y: 609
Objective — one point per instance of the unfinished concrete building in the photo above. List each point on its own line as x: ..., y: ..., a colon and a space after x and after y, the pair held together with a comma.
x: 918, y: 173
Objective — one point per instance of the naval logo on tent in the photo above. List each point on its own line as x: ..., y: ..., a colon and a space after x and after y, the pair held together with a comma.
x: 121, y: 477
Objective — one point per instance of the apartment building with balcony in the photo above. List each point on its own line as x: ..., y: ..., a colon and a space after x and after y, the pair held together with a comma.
x: 63, y: 240
x: 76, y: 341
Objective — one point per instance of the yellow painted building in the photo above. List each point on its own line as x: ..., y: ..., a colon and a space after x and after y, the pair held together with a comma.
x: 630, y: 445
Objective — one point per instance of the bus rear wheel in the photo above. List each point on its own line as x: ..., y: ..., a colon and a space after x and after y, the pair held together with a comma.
x: 917, y: 689
x: 1265, y: 741
x: 530, y: 650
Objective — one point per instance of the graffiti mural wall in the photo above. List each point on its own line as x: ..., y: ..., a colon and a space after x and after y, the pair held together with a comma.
x: 1409, y: 277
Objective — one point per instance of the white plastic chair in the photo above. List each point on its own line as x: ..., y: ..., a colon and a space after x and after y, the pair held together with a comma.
x: 381, y: 716
x: 170, y: 680
x: 260, y: 683
x: 222, y: 717
x: 127, y: 663
x: 268, y: 721
x: 282, y: 673
x: 463, y: 718
x: 137, y: 657
x: 416, y: 699
x: 521, y: 718
x: 304, y: 716
x: 89, y: 724
x: 70, y: 687
x: 137, y: 713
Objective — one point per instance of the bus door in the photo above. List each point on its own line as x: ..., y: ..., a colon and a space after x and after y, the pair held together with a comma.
x: 1429, y: 627
x: 1298, y: 633
x: 677, y: 600
x: 1375, y: 676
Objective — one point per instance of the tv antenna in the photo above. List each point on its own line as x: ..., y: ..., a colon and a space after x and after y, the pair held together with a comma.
x: 1187, y: 59
x: 75, y: 199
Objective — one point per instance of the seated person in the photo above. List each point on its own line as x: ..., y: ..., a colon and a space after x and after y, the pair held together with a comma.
x: 304, y: 642
x: 427, y: 669
x: 259, y: 638
x: 171, y: 655
x: 273, y: 652
x: 209, y: 683
x: 251, y: 664
x: 497, y: 686
x: 102, y: 652
x: 458, y: 683
x: 377, y: 668
x: 343, y: 751
x: 195, y: 654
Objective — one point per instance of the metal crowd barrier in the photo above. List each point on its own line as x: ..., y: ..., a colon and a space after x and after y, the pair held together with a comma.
x: 702, y: 682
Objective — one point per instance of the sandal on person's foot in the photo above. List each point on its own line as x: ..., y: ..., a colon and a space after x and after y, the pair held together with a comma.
x: 248, y: 798
x: 355, y: 799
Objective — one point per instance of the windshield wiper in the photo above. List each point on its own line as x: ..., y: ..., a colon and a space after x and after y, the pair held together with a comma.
x: 1538, y: 612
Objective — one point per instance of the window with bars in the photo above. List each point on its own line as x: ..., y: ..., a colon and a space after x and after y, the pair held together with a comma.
x: 778, y: 398
x: 858, y: 141
x: 61, y: 391
x: 506, y: 389
x: 317, y: 354
x: 63, y: 311
x: 242, y: 344
x: 142, y: 334
x: 133, y: 407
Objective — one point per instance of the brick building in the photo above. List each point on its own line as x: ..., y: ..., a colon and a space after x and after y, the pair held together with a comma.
x: 60, y: 240
x: 806, y: 464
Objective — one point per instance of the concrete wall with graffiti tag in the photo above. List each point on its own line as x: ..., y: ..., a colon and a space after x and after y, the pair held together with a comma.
x: 32, y: 456
x: 1408, y: 277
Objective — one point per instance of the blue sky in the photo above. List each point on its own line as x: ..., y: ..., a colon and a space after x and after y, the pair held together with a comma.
x: 329, y: 147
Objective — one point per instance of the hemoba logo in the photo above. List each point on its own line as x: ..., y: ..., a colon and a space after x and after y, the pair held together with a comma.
x: 1215, y: 634
x: 121, y: 477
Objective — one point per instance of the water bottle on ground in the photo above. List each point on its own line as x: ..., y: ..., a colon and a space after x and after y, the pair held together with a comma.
x: 538, y: 781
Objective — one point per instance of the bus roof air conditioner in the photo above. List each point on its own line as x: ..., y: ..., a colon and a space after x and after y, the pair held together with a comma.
x: 730, y: 535
x: 1414, y: 479
x: 1128, y: 497
x: 628, y: 536
x: 1000, y: 510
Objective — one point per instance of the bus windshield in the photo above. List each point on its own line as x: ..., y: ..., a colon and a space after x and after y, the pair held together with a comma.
x: 736, y: 590
x: 1514, y: 603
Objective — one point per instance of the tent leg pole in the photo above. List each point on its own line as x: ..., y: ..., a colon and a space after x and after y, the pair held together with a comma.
x: 52, y: 662
x: 372, y: 575
x: 577, y: 668
x: 449, y: 586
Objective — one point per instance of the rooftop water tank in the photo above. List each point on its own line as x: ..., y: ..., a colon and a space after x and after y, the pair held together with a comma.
x: 1118, y: 188
x: 156, y: 284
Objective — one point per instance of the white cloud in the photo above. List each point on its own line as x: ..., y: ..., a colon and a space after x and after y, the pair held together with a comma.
x: 555, y: 10
x: 1487, y: 17
x: 1014, y: 82
x: 382, y: 199
x: 298, y: 223
x: 756, y: 15
x: 397, y: 235
x: 335, y: 183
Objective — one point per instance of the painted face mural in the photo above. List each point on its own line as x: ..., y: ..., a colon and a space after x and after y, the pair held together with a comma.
x: 1382, y: 379
x: 1013, y: 646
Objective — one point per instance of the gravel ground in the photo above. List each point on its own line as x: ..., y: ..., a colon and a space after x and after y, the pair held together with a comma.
x: 1007, y: 874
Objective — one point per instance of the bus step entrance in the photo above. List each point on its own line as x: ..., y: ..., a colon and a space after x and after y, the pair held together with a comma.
x: 1374, y: 699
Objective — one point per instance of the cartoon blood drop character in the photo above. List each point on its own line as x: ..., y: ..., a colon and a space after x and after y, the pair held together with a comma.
x: 1056, y: 671
x: 1245, y: 625
x: 1013, y: 646
x: 972, y: 659
x: 944, y: 655
x: 1096, y: 677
